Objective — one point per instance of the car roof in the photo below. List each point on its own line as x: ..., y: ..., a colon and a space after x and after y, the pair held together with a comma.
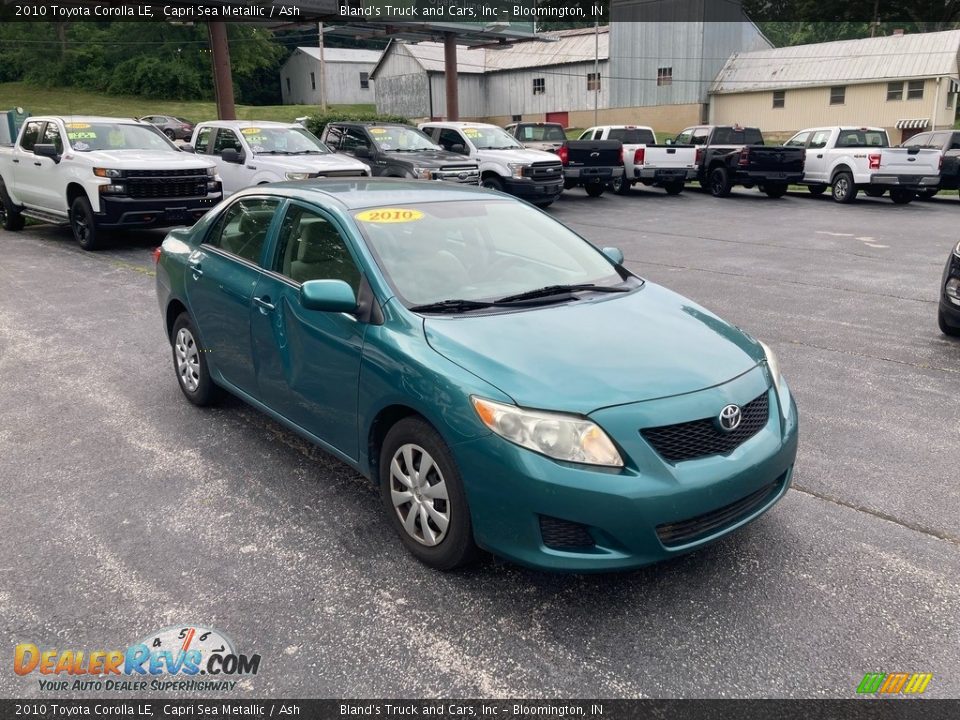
x: 459, y: 124
x: 86, y: 118
x: 356, y: 193
x: 370, y: 123
x: 249, y: 124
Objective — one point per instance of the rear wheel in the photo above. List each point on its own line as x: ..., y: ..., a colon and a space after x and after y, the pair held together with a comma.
x: 720, y: 185
x: 10, y: 217
x: 170, y: 134
x: 85, y: 231
x: 902, y: 196
x: 595, y: 189
x: 816, y: 189
x: 775, y: 190
x: 844, y: 189
x: 944, y: 327
x: 673, y: 188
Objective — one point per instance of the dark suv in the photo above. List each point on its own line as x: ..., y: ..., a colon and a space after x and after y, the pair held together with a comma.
x: 949, y: 312
x: 396, y: 150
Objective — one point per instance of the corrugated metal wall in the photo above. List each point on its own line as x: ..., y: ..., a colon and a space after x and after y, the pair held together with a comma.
x: 342, y: 82
x: 565, y: 89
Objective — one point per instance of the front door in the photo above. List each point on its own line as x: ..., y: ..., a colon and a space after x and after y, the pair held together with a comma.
x: 816, y: 164
x: 308, y: 362
x: 234, y: 175
x: 221, y: 279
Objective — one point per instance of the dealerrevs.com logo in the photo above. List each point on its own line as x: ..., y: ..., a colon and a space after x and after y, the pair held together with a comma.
x: 894, y: 683
x: 171, y: 659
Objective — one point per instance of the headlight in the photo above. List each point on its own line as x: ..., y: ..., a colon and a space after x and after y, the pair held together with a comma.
x: 516, y: 169
x: 107, y: 172
x: 562, y: 437
x: 298, y: 176
x: 113, y: 189
x: 773, y: 365
x: 956, y: 250
x: 211, y: 171
x: 422, y: 173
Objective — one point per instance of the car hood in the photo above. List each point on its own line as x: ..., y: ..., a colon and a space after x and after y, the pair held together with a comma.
x: 313, y: 163
x: 432, y: 158
x: 518, y: 155
x: 146, y: 159
x: 606, y: 350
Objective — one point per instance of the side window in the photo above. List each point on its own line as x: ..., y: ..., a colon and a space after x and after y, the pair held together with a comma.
x: 798, y: 140
x: 700, y: 136
x: 938, y: 140
x: 920, y: 140
x: 31, y: 135
x: 203, y: 140
x: 449, y: 138
x: 819, y: 139
x: 685, y: 137
x: 352, y: 139
x: 586, y: 135
x: 242, y: 229
x: 51, y: 136
x: 955, y: 142
x: 311, y: 248
x: 333, y: 136
x: 226, y: 139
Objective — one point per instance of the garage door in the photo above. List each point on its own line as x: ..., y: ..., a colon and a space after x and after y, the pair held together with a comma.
x: 559, y: 117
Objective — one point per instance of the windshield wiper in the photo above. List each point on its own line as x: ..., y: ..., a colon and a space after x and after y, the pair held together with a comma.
x: 453, y: 306
x: 550, y: 290
x: 273, y: 152
x: 305, y: 152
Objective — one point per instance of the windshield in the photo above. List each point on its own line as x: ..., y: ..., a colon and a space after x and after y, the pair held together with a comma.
x: 477, y: 250
x: 86, y: 137
x: 542, y: 133
x: 490, y: 138
x: 283, y: 141
x: 401, y: 139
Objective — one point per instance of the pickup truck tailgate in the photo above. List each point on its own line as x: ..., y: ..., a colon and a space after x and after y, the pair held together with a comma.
x: 910, y: 161
x: 774, y: 159
x: 675, y: 156
x: 593, y: 153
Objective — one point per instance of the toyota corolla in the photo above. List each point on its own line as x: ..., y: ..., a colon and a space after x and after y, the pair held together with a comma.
x: 507, y: 385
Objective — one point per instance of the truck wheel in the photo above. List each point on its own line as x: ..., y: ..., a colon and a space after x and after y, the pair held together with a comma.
x: 844, y: 190
x: 720, y: 182
x: 674, y: 188
x: 944, y: 327
x: 901, y: 196
x: 595, y: 189
x: 621, y: 186
x: 775, y: 190
x: 10, y: 217
x: 82, y: 223
x: 927, y: 194
x: 816, y: 189
x: 544, y: 204
x: 569, y: 184
x: 492, y: 182
x: 875, y: 192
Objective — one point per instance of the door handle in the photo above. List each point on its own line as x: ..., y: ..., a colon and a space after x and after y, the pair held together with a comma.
x: 820, y: 155
x: 16, y: 161
x: 196, y: 270
x: 264, y: 303
x: 38, y: 164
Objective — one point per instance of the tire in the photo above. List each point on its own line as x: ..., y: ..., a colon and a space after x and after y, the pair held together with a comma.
x: 621, y: 186
x: 10, y: 217
x: 82, y: 223
x: 927, y: 194
x: 944, y: 328
x: 544, y: 204
x: 816, y: 189
x: 190, y: 363
x: 492, y: 182
x: 875, y: 192
x: 170, y: 134
x: 415, y: 506
x: 704, y: 185
x: 775, y: 190
x: 569, y: 184
x: 595, y: 189
x: 844, y: 190
x: 720, y: 185
x: 901, y: 196
x: 673, y: 188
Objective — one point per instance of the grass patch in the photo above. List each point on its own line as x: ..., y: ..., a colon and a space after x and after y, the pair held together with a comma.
x: 70, y: 101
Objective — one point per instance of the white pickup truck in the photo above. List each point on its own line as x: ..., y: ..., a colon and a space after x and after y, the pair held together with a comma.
x: 505, y: 164
x: 850, y: 159
x: 100, y: 172
x: 249, y: 153
x: 666, y: 166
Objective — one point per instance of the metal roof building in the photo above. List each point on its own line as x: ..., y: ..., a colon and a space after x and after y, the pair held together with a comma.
x: 346, y: 76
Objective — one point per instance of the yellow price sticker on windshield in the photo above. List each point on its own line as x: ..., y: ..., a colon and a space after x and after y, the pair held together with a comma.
x: 77, y: 126
x: 378, y: 131
x: 471, y: 132
x: 251, y: 131
x: 389, y: 215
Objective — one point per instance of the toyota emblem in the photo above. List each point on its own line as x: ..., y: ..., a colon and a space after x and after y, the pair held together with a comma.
x: 730, y: 418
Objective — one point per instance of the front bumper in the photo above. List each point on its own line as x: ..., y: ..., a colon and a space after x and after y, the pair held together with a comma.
x: 910, y: 182
x: 528, y: 189
x: 510, y: 489
x: 159, y: 212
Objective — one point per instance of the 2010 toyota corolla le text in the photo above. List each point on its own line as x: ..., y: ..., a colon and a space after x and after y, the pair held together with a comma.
x: 508, y: 386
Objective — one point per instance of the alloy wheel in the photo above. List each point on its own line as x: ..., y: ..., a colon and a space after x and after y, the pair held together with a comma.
x: 419, y: 493
x: 188, y: 360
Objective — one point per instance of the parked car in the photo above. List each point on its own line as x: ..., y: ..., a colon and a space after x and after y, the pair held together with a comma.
x: 849, y: 159
x: 539, y: 135
x: 948, y: 315
x: 173, y: 127
x: 948, y: 143
x: 734, y: 155
x: 591, y: 164
x: 401, y: 151
x: 666, y: 166
x: 505, y: 165
x: 432, y: 336
x: 249, y: 153
x: 98, y: 173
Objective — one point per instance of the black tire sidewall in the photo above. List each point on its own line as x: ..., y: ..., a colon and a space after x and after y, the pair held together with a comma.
x: 206, y: 392
x: 12, y: 219
x: 82, y: 204
x: 719, y: 183
x: 457, y: 548
x: 595, y: 189
x: 851, y: 191
x: 495, y: 183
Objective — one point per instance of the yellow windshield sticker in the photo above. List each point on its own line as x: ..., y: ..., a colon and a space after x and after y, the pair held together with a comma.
x: 82, y: 135
x: 378, y: 131
x: 471, y: 132
x: 251, y: 131
x: 389, y: 215
x: 77, y: 126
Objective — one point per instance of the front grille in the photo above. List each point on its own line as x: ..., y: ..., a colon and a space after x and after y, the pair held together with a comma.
x: 150, y: 174
x: 168, y: 187
x: 563, y: 534
x: 544, y: 171
x: 470, y: 175
x: 685, y: 531
x: 699, y: 438
x: 338, y: 173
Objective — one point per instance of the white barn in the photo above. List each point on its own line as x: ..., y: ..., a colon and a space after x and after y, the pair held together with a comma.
x: 346, y: 77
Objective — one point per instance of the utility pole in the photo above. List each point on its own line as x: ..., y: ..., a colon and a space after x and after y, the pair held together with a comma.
x: 222, y: 80
x: 596, y: 72
x: 323, y: 72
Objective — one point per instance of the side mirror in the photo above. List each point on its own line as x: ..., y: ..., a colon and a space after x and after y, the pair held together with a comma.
x: 328, y: 296
x: 187, y: 148
x: 361, y: 151
x: 613, y: 254
x: 231, y: 155
x: 458, y: 149
x: 47, y: 150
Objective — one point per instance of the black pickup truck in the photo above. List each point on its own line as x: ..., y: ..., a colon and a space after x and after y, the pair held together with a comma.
x: 948, y: 142
x: 591, y: 164
x: 734, y: 155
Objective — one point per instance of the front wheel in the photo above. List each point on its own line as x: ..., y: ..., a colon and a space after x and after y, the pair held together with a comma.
x: 423, y: 495
x: 673, y: 188
x: 85, y: 231
x: 720, y: 185
x: 816, y: 189
x: 844, y: 189
x: 10, y: 217
x: 944, y: 327
x: 775, y: 190
x: 190, y: 363
x: 492, y: 182
x: 901, y: 196
x: 170, y: 134
x: 595, y: 189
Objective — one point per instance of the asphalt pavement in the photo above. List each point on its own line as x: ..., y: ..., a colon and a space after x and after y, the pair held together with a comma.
x: 127, y: 510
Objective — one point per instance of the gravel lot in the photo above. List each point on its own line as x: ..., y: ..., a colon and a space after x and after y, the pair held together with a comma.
x: 127, y: 510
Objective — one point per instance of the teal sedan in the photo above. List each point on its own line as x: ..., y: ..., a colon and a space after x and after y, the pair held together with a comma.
x: 507, y: 385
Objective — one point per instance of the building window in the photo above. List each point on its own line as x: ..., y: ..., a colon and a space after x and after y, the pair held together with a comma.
x: 950, y: 98
x: 364, y: 81
x: 313, y: 81
x: 915, y: 90
x: 665, y: 76
x: 593, y: 82
x: 779, y: 98
x: 838, y: 95
x: 894, y: 91
x: 516, y: 118
x: 539, y: 86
